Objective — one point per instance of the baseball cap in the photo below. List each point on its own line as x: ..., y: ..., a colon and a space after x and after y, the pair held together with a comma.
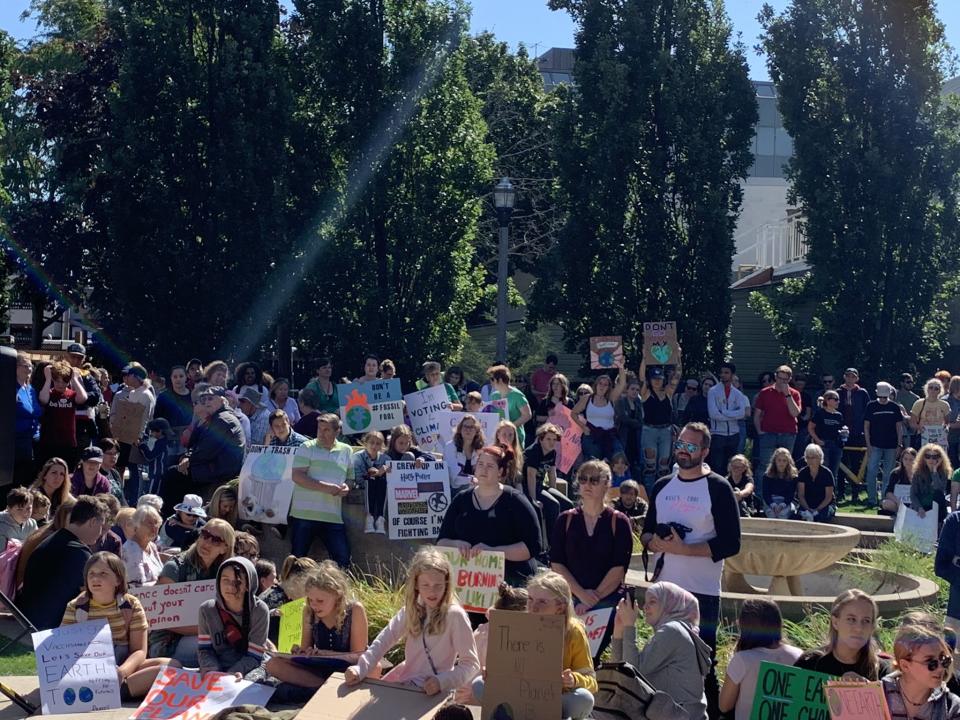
x: 191, y: 505
x: 212, y: 391
x: 92, y: 453
x: 76, y: 349
x: 656, y: 371
x: 252, y: 396
x: 884, y: 389
x: 851, y: 371
x: 135, y: 369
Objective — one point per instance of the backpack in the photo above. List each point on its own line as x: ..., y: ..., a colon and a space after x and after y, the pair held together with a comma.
x: 622, y: 692
x: 9, y: 557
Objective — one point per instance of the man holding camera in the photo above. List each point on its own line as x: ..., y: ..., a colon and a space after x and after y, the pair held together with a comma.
x: 693, y: 523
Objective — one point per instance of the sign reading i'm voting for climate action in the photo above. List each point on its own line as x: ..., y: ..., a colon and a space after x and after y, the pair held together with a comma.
x: 188, y: 695
x: 76, y: 668
x: 417, y: 499
x: 785, y: 692
x: 174, y: 605
x: 476, y: 578
x: 376, y: 405
x: 266, y: 483
x: 524, y: 663
x: 423, y: 407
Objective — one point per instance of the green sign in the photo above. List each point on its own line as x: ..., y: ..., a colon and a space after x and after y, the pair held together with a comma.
x: 785, y: 692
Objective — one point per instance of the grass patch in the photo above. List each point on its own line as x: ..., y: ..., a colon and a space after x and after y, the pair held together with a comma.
x: 16, y: 660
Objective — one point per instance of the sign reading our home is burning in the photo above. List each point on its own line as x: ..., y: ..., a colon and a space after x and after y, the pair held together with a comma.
x: 476, y: 578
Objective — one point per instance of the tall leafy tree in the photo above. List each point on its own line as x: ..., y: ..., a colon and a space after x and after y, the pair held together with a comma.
x: 652, y: 143
x: 875, y: 170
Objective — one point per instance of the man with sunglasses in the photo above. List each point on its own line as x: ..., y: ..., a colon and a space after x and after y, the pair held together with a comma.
x: 701, y: 503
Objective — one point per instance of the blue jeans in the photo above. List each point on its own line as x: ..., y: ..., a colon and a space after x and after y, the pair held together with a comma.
x: 886, y: 457
x: 722, y: 448
x: 656, y: 453
x: 333, y: 535
x: 832, y: 452
x: 600, y: 444
x: 766, y: 444
x: 576, y: 704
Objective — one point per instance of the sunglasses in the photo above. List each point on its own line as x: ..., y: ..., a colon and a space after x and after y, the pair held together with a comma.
x: 932, y: 664
x: 210, y: 537
x: 931, y: 456
x: 828, y: 399
x: 591, y: 480
x: 687, y: 446
x: 828, y: 382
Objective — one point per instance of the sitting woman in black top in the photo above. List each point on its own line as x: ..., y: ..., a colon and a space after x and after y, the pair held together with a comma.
x: 740, y: 477
x: 851, y: 649
x: 493, y: 516
x: 898, y: 488
x: 780, y: 486
x: 815, y: 487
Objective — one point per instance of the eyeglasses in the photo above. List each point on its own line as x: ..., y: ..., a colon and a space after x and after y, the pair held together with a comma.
x: 591, y: 480
x: 210, y: 537
x: 932, y: 664
x: 828, y: 399
x: 828, y: 381
x: 931, y: 456
x: 687, y: 446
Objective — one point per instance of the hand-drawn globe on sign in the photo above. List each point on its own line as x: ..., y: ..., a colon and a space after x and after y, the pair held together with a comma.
x: 358, y: 417
x: 606, y: 358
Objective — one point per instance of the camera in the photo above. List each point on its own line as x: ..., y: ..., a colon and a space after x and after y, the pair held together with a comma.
x: 665, y: 530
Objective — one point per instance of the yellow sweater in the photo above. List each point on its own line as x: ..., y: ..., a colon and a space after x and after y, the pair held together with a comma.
x: 576, y: 656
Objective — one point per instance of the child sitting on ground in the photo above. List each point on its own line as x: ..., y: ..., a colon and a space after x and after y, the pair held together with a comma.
x: 439, y: 651
x: 334, y: 625
x: 16, y: 522
x: 182, y: 529
x: 370, y: 466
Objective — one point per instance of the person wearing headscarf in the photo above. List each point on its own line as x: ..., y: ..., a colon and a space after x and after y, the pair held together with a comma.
x: 668, y: 659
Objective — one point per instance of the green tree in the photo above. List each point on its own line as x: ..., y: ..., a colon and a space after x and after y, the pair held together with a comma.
x: 652, y: 144
x: 875, y: 171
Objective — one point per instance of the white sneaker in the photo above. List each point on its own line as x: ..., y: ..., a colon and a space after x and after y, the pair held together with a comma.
x: 380, y: 526
x: 368, y: 528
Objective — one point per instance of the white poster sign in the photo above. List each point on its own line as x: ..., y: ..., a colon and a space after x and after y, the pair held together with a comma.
x: 476, y: 578
x: 423, y: 407
x: 188, y: 695
x: 417, y: 499
x: 174, y: 604
x: 266, y: 484
x: 77, y: 668
x: 911, y: 529
x: 449, y: 419
x: 935, y: 434
x: 375, y: 405
x: 596, y: 622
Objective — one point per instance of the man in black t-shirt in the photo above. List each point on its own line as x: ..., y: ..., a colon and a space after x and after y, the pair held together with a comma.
x: 883, y: 430
x: 539, y: 465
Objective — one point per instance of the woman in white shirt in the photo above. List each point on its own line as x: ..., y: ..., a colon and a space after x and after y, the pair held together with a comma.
x: 460, y: 454
x: 139, y: 553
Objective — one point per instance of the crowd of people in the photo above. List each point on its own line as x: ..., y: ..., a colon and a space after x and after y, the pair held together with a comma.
x: 94, y: 516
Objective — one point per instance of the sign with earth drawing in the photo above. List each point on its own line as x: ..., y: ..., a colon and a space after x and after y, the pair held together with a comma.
x: 376, y: 405
x: 660, y: 346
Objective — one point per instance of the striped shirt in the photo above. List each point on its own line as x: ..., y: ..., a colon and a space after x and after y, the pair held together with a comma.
x: 83, y: 609
x: 330, y: 466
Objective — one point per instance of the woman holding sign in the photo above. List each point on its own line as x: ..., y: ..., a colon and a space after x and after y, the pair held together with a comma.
x: 493, y: 516
x: 657, y: 433
x: 596, y: 416
x: 105, y: 597
x: 918, y: 688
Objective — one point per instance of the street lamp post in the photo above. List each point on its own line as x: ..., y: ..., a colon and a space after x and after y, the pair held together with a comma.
x: 504, y: 197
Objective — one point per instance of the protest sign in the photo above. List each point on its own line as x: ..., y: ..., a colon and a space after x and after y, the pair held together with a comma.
x: 376, y: 405
x: 785, y: 692
x: 476, y: 578
x: 595, y: 622
x: 370, y: 700
x: 417, y: 499
x: 127, y: 422
x: 606, y: 352
x: 175, y: 604
x: 266, y: 484
x: 524, y: 662
x: 567, y: 453
x: 77, y: 668
x: 934, y: 435
x: 660, y: 345
x: 291, y: 624
x: 913, y: 530
x: 422, y: 407
x: 449, y: 419
x: 498, y: 406
x: 902, y: 493
x: 856, y: 700
x: 189, y: 695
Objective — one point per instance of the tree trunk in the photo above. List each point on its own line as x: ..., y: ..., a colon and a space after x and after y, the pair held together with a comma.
x: 37, y: 302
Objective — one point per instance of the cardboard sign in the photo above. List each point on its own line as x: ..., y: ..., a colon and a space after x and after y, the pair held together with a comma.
x: 476, y: 578
x: 934, y: 434
x: 498, y: 406
x: 77, y: 668
x: 789, y: 693
x: 291, y: 624
x: 910, y: 528
x: 566, y: 455
x: 856, y: 700
x: 127, y: 422
x: 174, y: 604
x: 266, y: 484
x: 185, y: 694
x: 660, y: 346
x: 595, y: 622
x: 423, y: 407
x: 524, y: 662
x: 374, y: 405
x: 417, y: 499
x: 449, y: 419
x: 370, y: 700
x: 606, y: 352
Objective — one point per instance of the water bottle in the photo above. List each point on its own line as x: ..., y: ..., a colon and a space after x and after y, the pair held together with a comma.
x: 844, y: 434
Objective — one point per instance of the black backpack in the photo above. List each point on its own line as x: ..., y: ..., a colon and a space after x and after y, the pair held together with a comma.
x: 623, y: 693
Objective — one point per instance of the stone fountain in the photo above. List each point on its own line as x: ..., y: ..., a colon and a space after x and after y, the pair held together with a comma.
x: 798, y: 565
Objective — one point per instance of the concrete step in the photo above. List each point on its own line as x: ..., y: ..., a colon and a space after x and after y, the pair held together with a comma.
x: 876, y: 523
x: 873, y: 538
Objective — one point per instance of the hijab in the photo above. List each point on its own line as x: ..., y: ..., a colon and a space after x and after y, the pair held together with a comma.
x: 675, y: 604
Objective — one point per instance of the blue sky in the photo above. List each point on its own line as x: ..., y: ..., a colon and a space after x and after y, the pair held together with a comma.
x: 531, y: 22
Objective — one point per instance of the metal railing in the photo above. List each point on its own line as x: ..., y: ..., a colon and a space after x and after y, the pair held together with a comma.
x: 774, y: 244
